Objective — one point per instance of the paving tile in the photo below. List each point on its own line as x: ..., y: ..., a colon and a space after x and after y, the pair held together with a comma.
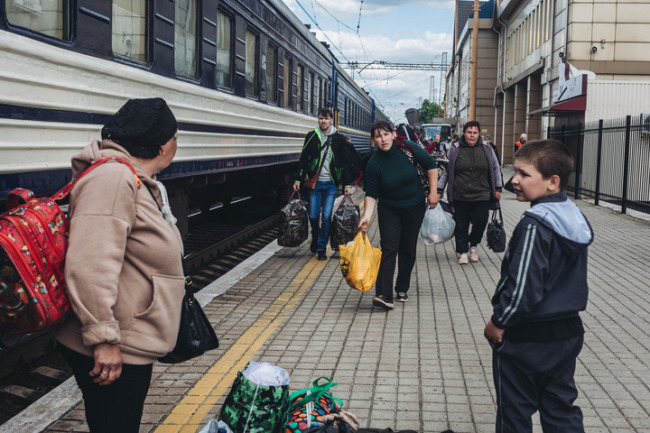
x: 425, y: 365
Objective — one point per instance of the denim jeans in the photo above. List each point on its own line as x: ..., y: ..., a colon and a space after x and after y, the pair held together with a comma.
x: 322, y: 198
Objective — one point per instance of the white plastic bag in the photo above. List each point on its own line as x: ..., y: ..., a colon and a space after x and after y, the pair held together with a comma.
x: 438, y: 226
x: 264, y: 373
x: 213, y: 426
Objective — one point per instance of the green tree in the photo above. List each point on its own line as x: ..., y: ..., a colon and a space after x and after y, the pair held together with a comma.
x: 428, y: 111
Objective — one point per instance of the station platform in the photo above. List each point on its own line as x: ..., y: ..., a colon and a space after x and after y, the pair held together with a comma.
x: 423, y: 366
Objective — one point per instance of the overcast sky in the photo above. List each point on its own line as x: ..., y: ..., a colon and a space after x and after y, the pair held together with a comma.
x: 406, y: 31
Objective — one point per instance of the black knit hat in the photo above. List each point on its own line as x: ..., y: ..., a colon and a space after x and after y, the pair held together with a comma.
x: 141, y: 123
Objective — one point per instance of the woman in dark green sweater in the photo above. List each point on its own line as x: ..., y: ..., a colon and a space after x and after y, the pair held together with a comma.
x: 393, y: 186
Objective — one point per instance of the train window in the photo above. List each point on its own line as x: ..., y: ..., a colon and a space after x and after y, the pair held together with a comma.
x: 185, y: 34
x: 49, y: 17
x: 310, y: 93
x: 224, y: 51
x: 130, y: 30
x: 271, y: 74
x: 320, y: 93
x: 287, y: 82
x: 299, y: 87
x: 251, y: 64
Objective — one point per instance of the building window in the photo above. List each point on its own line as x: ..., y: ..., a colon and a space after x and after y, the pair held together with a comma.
x: 224, y: 51
x: 49, y: 17
x: 287, y: 82
x: 130, y: 31
x: 185, y: 54
x: 251, y: 64
x: 272, y: 74
x: 299, y: 88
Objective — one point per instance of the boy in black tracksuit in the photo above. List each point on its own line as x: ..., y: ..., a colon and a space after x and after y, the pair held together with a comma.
x: 535, y: 331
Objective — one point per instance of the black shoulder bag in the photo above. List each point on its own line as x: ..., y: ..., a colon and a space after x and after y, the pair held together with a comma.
x: 195, y: 334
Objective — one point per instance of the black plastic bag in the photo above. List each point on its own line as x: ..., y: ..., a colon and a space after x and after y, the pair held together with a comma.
x: 345, y: 223
x: 496, y: 235
x: 294, y: 224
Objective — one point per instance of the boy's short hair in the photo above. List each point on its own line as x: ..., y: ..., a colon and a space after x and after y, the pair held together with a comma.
x: 325, y: 112
x: 380, y: 124
x: 549, y: 157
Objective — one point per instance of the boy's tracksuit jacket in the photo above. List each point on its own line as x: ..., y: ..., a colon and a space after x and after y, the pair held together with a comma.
x: 543, y: 281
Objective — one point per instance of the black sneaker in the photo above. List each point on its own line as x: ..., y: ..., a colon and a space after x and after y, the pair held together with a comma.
x: 380, y: 302
x: 314, y: 244
x: 322, y: 255
x: 402, y: 297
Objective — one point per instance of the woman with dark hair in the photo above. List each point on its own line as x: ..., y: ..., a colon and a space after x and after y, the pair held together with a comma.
x: 393, y: 186
x: 123, y: 266
x: 473, y: 181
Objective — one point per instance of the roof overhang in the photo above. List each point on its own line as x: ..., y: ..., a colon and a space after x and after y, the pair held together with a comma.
x: 574, y: 105
x: 570, y: 97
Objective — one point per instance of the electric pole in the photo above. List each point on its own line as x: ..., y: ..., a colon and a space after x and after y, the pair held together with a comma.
x: 442, y: 87
x: 473, y: 80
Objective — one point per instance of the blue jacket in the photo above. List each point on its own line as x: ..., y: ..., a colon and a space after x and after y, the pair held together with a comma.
x: 543, y: 281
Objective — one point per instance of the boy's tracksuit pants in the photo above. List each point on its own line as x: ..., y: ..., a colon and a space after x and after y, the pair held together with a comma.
x: 537, y: 376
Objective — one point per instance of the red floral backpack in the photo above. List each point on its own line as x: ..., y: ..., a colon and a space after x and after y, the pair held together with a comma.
x: 33, y: 244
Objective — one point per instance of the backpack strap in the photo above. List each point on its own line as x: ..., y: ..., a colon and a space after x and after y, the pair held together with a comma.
x: 63, y: 192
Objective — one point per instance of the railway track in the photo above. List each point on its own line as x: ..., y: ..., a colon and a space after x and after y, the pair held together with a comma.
x: 33, y: 367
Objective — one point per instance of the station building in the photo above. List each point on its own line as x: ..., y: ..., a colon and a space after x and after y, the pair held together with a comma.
x: 544, y: 63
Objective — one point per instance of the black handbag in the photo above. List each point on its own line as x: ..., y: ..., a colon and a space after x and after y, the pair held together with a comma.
x: 195, y: 334
x: 496, y: 235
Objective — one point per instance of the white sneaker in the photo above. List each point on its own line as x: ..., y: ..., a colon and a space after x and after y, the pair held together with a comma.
x: 473, y: 254
x: 463, y: 259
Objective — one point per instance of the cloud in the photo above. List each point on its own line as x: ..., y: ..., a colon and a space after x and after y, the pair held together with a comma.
x: 346, y: 9
x: 426, y: 48
x: 409, y: 31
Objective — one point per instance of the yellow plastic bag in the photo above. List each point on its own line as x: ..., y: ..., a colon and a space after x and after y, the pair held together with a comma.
x: 360, y: 262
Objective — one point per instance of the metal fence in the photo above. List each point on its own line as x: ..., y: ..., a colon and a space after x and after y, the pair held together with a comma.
x: 612, y: 161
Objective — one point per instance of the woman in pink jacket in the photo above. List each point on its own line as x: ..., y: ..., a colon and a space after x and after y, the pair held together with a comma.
x: 123, y: 266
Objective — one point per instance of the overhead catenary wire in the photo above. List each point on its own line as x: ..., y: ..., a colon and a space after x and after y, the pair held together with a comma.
x: 359, y: 21
x: 313, y: 19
